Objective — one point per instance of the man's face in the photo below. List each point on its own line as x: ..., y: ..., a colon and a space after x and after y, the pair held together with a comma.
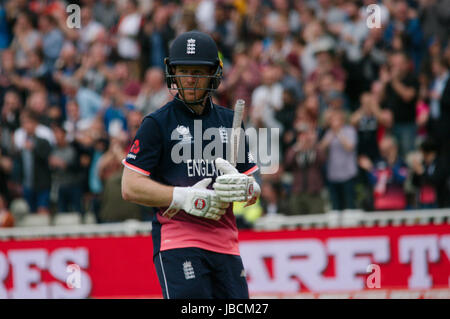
x: 397, y: 61
x: 386, y: 147
x: 28, y: 124
x: 60, y: 136
x: 193, y: 77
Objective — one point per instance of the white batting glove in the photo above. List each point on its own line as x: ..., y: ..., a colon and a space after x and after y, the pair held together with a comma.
x: 234, y: 186
x: 197, y: 200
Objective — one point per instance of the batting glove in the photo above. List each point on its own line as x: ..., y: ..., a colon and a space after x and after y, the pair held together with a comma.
x: 234, y: 186
x: 197, y: 200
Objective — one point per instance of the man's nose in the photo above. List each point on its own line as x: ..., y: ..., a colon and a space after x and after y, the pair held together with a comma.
x: 191, y: 79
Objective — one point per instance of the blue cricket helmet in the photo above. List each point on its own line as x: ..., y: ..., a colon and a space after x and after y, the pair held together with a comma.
x: 193, y: 48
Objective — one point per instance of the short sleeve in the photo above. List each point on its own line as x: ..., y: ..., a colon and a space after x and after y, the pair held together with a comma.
x: 144, y: 154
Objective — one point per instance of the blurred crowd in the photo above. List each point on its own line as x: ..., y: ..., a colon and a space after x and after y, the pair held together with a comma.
x: 360, y: 96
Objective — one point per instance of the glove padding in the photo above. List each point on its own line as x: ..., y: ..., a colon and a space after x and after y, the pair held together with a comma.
x: 234, y: 186
x: 197, y: 200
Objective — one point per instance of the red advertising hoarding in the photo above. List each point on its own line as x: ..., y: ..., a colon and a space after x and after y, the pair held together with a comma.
x: 278, y: 264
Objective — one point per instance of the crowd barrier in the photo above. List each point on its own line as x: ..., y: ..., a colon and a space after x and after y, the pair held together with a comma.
x: 336, y: 255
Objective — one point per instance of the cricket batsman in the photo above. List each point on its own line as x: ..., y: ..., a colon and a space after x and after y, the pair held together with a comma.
x: 194, y: 232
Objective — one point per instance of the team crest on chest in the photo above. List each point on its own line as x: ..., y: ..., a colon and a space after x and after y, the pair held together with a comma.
x: 190, y: 46
x: 184, y: 131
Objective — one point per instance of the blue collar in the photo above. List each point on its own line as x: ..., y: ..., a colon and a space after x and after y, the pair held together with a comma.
x: 208, y: 107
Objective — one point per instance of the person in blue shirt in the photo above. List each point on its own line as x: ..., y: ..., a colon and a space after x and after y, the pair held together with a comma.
x: 177, y: 154
x: 387, y: 175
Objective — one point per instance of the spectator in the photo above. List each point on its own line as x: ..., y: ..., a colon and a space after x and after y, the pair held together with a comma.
x: 327, y: 64
x: 52, y: 39
x: 439, y: 117
x: 374, y: 56
x: 309, y: 61
x: 242, y: 78
x: 115, y: 108
x: 305, y: 159
x: 5, y: 32
x: 290, y: 78
x: 340, y: 142
x: 38, y: 103
x: 26, y: 39
x: 154, y: 92
x: 155, y: 36
x: 90, y: 31
x: 405, y: 27
x: 130, y: 87
x: 224, y: 32
x: 33, y: 168
x: 252, y: 19
x: 73, y: 124
x: 95, y: 185
x: 64, y: 70
x: 267, y: 99
x: 92, y: 77
x: 367, y: 120
x: 434, y: 50
x: 430, y: 175
x: 113, y: 207
x: 274, y: 198
x: 400, y: 89
x: 286, y: 117
x: 205, y: 15
x: 306, y: 115
x: 127, y: 31
x: 10, y: 119
x: 64, y: 166
x: 6, y: 70
x: 68, y: 62
x: 6, y: 218
x: 318, y: 54
x: 422, y: 109
x: 279, y: 42
x: 330, y: 12
x: 434, y: 18
x: 105, y: 12
x: 186, y: 20
x: 6, y: 170
x: 35, y: 72
x: 41, y: 131
x: 330, y: 99
x: 352, y: 35
x: 388, y: 176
